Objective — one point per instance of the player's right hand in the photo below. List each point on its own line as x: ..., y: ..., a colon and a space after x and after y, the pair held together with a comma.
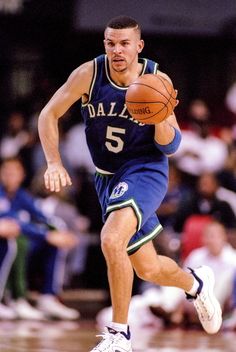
x: 56, y: 177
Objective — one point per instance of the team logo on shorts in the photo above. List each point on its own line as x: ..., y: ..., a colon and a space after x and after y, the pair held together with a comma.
x: 119, y: 190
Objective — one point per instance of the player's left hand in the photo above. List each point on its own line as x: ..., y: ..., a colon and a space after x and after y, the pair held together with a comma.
x: 56, y: 177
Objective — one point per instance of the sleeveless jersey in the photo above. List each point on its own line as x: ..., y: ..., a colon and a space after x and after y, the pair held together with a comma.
x: 114, y: 138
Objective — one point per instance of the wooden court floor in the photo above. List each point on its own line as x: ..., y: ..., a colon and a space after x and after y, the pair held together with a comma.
x: 80, y: 337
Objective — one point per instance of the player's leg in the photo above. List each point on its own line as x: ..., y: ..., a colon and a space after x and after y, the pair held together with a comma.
x: 159, y: 269
x: 119, y: 227
x: 116, y: 233
x: 198, y: 284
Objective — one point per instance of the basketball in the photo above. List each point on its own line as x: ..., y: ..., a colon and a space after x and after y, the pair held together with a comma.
x: 150, y: 99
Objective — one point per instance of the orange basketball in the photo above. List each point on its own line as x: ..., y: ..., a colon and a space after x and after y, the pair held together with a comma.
x: 150, y: 99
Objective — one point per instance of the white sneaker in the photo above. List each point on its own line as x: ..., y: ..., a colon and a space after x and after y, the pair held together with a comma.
x: 53, y: 308
x: 7, y: 313
x: 114, y: 341
x: 205, y: 302
x: 24, y: 310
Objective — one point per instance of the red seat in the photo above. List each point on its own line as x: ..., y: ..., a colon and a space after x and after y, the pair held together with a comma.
x: 191, y: 237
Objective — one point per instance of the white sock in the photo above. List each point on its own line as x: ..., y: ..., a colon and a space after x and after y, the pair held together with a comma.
x: 119, y: 327
x: 193, y: 290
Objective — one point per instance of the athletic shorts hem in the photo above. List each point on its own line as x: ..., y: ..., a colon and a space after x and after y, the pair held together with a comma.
x: 146, y: 238
x: 127, y: 203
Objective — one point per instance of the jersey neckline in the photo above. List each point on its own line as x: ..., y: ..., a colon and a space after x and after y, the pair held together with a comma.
x: 142, y: 60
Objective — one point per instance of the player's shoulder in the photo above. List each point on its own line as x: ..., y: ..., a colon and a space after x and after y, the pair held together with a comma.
x: 84, y: 70
x: 81, y: 77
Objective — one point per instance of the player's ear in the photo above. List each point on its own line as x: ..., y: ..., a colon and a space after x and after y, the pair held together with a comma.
x: 140, y: 45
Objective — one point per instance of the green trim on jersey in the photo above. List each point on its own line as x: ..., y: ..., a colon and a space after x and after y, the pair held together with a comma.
x: 129, y: 202
x: 148, y: 237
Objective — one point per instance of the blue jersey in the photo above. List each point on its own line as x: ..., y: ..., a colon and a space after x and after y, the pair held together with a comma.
x: 21, y: 207
x: 114, y: 138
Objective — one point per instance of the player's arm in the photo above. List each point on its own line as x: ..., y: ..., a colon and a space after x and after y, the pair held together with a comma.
x: 167, y: 133
x: 77, y: 86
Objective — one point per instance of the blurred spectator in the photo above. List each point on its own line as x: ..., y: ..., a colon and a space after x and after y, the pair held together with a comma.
x: 230, y: 99
x: 227, y: 175
x: 17, y: 140
x: 192, y: 233
x: 86, y: 199
x: 230, y: 323
x: 200, y: 150
x: 204, y: 201
x: 45, y: 242
x: 218, y: 254
x: 176, y: 192
x: 76, y: 149
x: 168, y: 242
x: 59, y: 207
x: 16, y: 136
x: 9, y: 231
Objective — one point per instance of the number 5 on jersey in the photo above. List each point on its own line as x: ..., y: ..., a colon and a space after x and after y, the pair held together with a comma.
x: 114, y: 143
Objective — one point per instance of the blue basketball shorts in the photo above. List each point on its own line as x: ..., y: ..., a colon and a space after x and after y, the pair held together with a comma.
x: 141, y: 187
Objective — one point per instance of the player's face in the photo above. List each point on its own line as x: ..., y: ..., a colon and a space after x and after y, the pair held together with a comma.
x: 122, y: 47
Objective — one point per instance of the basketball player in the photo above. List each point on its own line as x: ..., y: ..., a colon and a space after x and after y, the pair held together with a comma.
x: 131, y: 180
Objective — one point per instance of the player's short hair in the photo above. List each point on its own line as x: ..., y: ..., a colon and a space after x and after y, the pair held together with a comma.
x: 121, y: 22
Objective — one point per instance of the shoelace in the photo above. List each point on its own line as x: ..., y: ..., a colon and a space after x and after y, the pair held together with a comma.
x: 106, y: 341
x: 200, y: 305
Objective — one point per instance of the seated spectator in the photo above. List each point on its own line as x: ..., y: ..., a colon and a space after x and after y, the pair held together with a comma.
x: 17, y: 139
x: 9, y: 231
x: 200, y: 150
x: 227, y: 175
x: 220, y: 256
x: 192, y: 234
x: 44, y: 239
x: 176, y: 192
x: 75, y: 140
x: 204, y: 201
x: 59, y: 207
x: 168, y: 241
x: 230, y: 323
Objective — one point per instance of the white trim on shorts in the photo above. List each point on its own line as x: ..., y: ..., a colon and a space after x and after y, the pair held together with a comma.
x: 145, y: 239
x: 129, y: 202
x: 103, y: 172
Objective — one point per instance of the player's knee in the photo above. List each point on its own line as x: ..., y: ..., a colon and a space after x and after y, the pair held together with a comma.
x: 111, y: 243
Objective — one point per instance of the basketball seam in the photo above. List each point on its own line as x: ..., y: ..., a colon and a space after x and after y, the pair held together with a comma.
x: 170, y: 94
x: 146, y: 85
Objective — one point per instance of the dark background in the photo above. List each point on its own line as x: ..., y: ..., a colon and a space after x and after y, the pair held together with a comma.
x: 44, y: 40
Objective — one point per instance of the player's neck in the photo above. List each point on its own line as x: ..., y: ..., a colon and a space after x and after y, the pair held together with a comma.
x: 125, y: 78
